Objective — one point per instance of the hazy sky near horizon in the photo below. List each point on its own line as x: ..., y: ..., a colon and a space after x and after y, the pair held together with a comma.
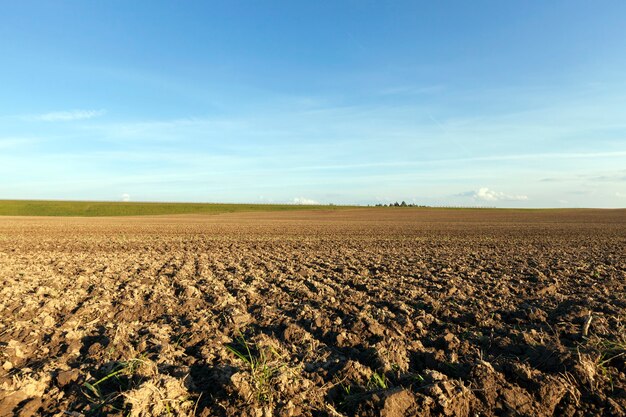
x: 491, y: 103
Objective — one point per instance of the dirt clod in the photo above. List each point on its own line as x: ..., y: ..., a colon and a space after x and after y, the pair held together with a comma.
x: 67, y: 377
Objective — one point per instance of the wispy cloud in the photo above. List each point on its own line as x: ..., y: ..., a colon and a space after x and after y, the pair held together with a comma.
x: 412, y: 90
x: 14, y: 142
x: 617, y: 177
x: 492, y: 158
x: 65, y: 116
x: 606, y: 176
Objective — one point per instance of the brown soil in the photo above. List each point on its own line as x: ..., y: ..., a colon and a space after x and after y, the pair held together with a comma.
x: 373, y: 312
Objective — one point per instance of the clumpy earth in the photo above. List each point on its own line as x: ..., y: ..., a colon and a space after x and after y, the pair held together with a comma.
x: 371, y: 312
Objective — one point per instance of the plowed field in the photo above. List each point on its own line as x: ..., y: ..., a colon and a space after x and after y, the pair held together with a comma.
x: 369, y: 312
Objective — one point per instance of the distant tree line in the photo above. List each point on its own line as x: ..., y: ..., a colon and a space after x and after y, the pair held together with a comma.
x: 405, y: 204
x: 396, y: 204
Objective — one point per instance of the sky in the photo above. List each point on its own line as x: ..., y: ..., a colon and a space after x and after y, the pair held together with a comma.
x: 481, y: 103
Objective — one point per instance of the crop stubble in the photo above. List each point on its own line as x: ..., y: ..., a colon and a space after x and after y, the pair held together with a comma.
x: 365, y: 312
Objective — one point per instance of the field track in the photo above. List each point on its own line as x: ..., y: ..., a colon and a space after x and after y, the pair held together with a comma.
x: 352, y: 312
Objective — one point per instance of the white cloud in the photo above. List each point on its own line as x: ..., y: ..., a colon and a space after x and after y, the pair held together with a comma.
x: 125, y: 197
x: 65, y: 116
x: 305, y: 201
x: 485, y: 194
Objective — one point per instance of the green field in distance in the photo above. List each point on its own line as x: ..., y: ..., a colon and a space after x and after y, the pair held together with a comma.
x: 104, y: 208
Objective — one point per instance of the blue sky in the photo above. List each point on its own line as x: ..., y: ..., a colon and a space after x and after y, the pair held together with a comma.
x: 491, y: 103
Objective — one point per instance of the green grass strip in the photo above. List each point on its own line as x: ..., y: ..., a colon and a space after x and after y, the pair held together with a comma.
x: 103, y: 208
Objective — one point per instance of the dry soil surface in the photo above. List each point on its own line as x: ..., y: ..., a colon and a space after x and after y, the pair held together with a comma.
x: 372, y: 312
